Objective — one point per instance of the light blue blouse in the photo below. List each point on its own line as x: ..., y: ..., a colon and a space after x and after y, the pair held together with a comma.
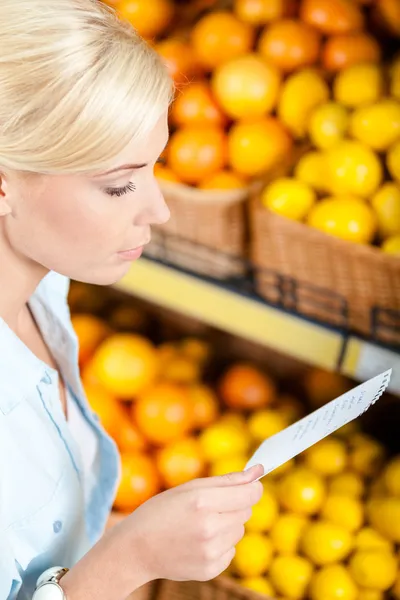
x: 45, y: 519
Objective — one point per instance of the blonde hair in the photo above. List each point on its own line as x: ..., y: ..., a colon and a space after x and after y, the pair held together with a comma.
x: 76, y: 85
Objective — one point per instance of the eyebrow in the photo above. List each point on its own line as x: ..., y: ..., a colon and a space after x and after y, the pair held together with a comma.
x: 124, y: 168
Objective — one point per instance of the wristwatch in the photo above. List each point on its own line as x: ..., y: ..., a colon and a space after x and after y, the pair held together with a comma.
x: 48, y: 585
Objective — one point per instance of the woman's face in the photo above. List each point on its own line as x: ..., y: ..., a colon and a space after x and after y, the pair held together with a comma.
x: 89, y: 227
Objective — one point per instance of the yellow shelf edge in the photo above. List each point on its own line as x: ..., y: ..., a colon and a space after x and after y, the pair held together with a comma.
x: 233, y: 313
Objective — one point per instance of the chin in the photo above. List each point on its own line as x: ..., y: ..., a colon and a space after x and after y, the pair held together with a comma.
x: 105, y: 276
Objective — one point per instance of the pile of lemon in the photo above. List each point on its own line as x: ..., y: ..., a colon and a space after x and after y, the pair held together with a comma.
x: 327, y: 525
x: 348, y: 183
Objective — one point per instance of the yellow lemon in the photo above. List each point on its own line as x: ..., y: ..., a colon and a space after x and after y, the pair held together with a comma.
x: 368, y: 594
x: 300, y: 94
x: 301, y: 491
x: 348, y: 484
x: 386, y: 204
x: 396, y: 588
x: 264, y: 513
x: 347, y: 430
x: 345, y: 511
x: 392, y: 245
x: 384, y: 516
x: 222, y: 440
x: 377, y: 125
x: 228, y: 464
x: 393, y: 161
x: 324, y: 542
x: 286, y: 533
x: 258, y: 584
x: 284, y: 468
x: 327, y: 457
x: 310, y: 169
x: 328, y: 124
x: 353, y: 168
x: 253, y: 555
x: 291, y: 407
x: 367, y: 457
x: 290, y: 575
x: 333, y: 582
x: 374, y: 569
x: 289, y: 198
x: 369, y: 539
x: 345, y: 217
x: 264, y: 423
x: 391, y: 476
x: 359, y: 84
x: 395, y: 78
x: 234, y: 419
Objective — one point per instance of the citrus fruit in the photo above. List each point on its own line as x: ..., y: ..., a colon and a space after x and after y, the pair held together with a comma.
x: 128, y: 437
x: 223, y: 180
x: 324, y: 542
x: 125, y: 364
x: 323, y: 386
x: 332, y: 16
x: 369, y: 594
x: 234, y: 419
x: 163, y: 413
x: 106, y: 407
x: 181, y: 369
x: 165, y: 173
x: 374, y: 569
x: 197, y: 152
x: 358, y: 85
x: 353, y: 168
x: 90, y: 331
x: 245, y: 387
x: 228, y: 464
x: 261, y: 585
x: 180, y: 60
x: 391, y: 476
x: 384, y: 516
x: 367, y: 457
x: 260, y: 12
x: 333, y: 582
x: 347, y: 483
x: 286, y: 533
x: 344, y: 511
x: 222, y: 440
x: 392, y: 245
x: 180, y: 461
x: 377, y: 125
x: 301, y: 491
x: 327, y: 457
x: 301, y: 93
x: 195, y: 105
x: 264, y: 513
x: 246, y: 86
x: 369, y: 539
x: 149, y: 17
x: 290, y: 407
x: 283, y: 468
x: 290, y: 575
x: 387, y: 14
x: 345, y: 217
x: 257, y: 146
x: 393, y: 161
x: 310, y: 169
x: 328, y: 124
x: 253, y: 555
x: 204, y: 405
x: 395, y: 78
x: 220, y: 36
x: 386, y: 204
x: 195, y: 348
x: 139, y: 481
x: 343, y: 51
x: 264, y: 423
x: 289, y: 198
x: 396, y: 588
x: 290, y: 44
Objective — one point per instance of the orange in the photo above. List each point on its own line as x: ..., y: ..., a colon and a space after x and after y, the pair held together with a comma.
x: 332, y: 16
x: 290, y: 44
x: 179, y: 58
x: 107, y: 408
x: 181, y: 369
x: 246, y: 87
x: 220, y: 36
x: 388, y: 16
x: 128, y: 317
x: 256, y: 147
x: 125, y: 364
x: 149, y: 17
x: 180, y: 461
x: 90, y: 331
x: 195, y: 105
x: 197, y: 152
x: 260, y: 12
x: 204, y: 405
x: 165, y: 173
x: 195, y: 348
x: 223, y: 180
x: 246, y: 387
x: 129, y: 438
x: 323, y: 386
x: 163, y: 413
x: 139, y: 481
x: 341, y: 51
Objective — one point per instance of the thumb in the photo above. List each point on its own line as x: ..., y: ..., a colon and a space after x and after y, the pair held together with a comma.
x: 241, y: 477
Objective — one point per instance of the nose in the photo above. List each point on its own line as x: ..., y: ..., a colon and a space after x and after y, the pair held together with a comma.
x: 156, y: 211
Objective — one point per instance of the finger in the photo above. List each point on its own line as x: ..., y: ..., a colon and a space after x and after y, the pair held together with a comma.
x: 230, y: 479
x: 230, y: 499
x: 230, y: 520
x: 225, y: 561
x: 230, y: 538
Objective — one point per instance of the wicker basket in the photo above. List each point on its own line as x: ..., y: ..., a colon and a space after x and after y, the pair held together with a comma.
x: 330, y: 269
x: 206, y: 232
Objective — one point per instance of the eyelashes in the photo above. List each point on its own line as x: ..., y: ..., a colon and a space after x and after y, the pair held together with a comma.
x: 121, y: 191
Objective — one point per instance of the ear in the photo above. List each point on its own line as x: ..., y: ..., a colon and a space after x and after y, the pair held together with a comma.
x: 5, y: 208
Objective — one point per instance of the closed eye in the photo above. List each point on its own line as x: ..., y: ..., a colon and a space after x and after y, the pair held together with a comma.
x: 120, y: 191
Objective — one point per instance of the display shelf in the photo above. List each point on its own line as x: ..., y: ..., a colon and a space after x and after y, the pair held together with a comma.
x: 249, y: 317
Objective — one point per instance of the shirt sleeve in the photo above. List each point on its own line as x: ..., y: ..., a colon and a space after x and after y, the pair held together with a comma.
x: 10, y: 579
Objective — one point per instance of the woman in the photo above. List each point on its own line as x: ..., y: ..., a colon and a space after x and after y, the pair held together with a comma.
x: 83, y: 119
